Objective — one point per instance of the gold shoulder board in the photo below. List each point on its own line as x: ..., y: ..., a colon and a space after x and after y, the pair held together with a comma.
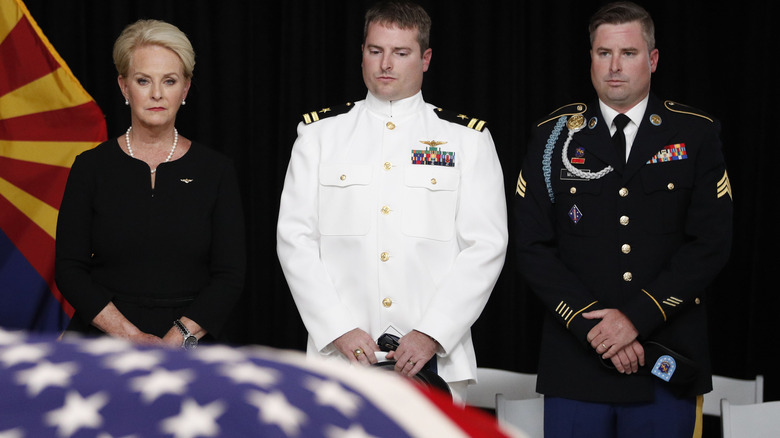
x: 461, y: 119
x: 314, y: 116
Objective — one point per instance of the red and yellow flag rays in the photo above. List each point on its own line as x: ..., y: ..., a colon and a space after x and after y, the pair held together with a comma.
x: 46, y: 119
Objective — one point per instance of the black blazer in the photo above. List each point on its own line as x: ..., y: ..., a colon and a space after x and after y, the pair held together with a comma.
x: 646, y: 240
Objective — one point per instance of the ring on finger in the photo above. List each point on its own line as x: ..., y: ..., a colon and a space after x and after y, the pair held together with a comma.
x: 605, y: 347
x: 411, y: 363
x: 358, y: 352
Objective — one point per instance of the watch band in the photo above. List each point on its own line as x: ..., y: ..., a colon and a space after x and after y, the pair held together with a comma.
x: 190, y: 341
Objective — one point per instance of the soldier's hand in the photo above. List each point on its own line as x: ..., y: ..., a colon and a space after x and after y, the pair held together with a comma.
x: 613, y: 333
x: 415, y: 349
x: 357, y: 346
x: 629, y: 359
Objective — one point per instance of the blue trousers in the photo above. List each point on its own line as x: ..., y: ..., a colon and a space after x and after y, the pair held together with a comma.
x: 667, y: 416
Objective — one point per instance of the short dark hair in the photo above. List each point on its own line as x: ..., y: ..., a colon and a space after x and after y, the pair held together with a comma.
x: 620, y: 13
x: 403, y: 14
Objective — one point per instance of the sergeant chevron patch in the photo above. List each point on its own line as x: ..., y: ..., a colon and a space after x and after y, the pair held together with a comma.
x: 724, y: 186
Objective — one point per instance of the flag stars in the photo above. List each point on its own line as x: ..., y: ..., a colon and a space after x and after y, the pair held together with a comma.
x: 46, y: 374
x: 104, y: 345
x: 194, y: 420
x: 354, y: 431
x: 218, y: 354
x: 275, y: 409
x: 10, y: 338
x: 23, y: 353
x: 134, y: 360
x: 77, y: 412
x: 331, y: 393
x: 161, y: 381
x: 250, y: 373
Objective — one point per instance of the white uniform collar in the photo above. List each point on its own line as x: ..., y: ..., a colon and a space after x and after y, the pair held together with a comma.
x: 398, y: 108
x: 635, y: 114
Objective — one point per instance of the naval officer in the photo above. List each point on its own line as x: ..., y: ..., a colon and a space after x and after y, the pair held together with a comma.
x: 393, y: 214
x: 624, y: 217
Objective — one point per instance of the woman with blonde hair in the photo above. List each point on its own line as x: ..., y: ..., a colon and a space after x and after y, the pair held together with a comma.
x: 150, y: 235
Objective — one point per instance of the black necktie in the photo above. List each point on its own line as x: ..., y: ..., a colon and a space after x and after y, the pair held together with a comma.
x: 619, y: 138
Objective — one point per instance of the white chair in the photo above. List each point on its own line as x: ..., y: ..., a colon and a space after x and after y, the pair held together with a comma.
x: 760, y: 420
x: 491, y: 381
x: 737, y: 391
x: 527, y: 415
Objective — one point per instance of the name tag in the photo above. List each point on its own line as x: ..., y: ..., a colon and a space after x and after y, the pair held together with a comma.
x: 568, y: 176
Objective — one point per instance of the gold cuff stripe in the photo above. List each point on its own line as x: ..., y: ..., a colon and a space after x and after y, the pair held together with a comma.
x: 521, y: 185
x: 656, y: 303
x: 578, y: 312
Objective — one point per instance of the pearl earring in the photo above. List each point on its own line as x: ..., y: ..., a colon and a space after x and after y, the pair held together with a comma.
x: 127, y: 102
x: 183, y: 102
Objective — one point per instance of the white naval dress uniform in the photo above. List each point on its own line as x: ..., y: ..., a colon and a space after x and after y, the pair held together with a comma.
x: 367, y: 239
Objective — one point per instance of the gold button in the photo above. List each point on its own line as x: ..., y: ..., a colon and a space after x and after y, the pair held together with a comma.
x: 388, y: 165
x: 433, y: 181
x: 387, y: 302
x: 623, y: 192
x: 390, y: 125
x: 385, y: 256
x: 573, y: 190
x: 626, y: 248
x: 697, y: 300
x: 670, y: 186
x: 385, y: 210
x: 343, y: 177
x: 627, y: 276
x: 624, y: 220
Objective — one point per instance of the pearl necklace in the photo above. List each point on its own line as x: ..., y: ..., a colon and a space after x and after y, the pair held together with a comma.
x: 170, y: 154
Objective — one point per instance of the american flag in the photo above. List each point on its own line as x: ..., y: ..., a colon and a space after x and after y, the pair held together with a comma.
x: 106, y: 387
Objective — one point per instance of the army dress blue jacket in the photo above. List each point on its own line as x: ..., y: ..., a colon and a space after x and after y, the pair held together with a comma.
x: 646, y: 238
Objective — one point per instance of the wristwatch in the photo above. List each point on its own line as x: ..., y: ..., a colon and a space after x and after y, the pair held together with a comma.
x: 190, y: 341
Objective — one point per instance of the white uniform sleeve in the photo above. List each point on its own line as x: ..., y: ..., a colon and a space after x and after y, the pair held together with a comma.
x: 481, y: 231
x: 298, y: 246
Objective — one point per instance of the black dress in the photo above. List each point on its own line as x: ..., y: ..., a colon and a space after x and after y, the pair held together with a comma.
x: 158, y: 253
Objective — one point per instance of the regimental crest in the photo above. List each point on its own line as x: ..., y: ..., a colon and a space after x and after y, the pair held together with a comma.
x: 672, y: 152
x: 433, y: 155
x: 579, y: 156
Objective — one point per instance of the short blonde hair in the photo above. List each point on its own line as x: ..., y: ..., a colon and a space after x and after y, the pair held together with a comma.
x: 153, y: 32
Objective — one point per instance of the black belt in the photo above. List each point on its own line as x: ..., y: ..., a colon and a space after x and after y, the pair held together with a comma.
x: 155, y: 301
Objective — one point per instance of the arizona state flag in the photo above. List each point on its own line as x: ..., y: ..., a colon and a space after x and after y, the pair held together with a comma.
x: 46, y: 119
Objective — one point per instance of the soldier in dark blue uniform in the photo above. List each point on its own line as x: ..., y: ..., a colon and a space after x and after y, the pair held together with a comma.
x: 624, y: 217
